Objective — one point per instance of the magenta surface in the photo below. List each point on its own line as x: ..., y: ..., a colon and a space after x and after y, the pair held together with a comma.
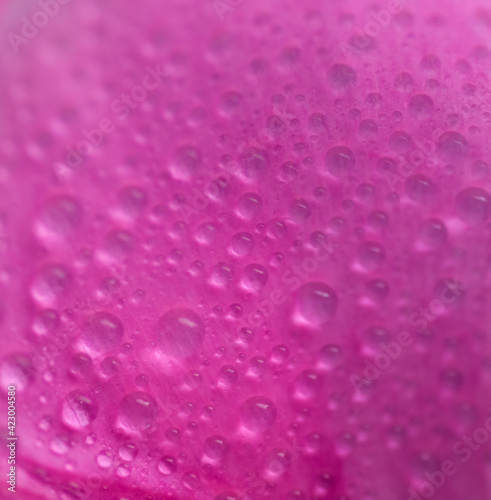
x: 244, y: 249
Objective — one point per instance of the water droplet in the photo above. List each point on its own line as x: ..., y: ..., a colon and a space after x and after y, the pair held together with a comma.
x: 104, y: 459
x: 230, y: 102
x: 45, y: 321
x: 102, y: 332
x: 371, y: 255
x: 191, y: 480
x: 377, y: 290
x: 216, y: 447
x: 258, y: 413
x: 242, y: 244
x: 78, y: 410
x: 404, y: 82
x: 257, y: 365
x: 249, y: 205
x: 280, y: 354
x: 110, y: 366
x: 278, y: 461
x: 227, y: 495
x: 307, y: 384
x: 167, y: 465
x: 317, y: 122
x: 452, y: 146
x: 473, y: 206
x: 330, y: 356
x: 118, y: 244
x: 340, y: 161
x: 421, y: 106
x: 62, y: 215
x: 16, y: 370
x: 299, y: 211
x: 254, y: 163
x: 400, y: 142
x: 433, y: 233
x: 59, y: 445
x: 205, y: 233
x: 227, y: 377
x: 180, y: 333
x: 368, y: 129
x: 420, y: 188
x: 132, y: 200
x: 80, y: 364
x: 51, y: 283
x: 186, y: 163
x: 254, y: 277
x: 316, y: 303
x: 128, y: 451
x: 137, y: 411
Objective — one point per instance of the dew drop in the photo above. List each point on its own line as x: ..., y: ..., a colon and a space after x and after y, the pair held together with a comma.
x: 102, y: 332
x: 473, y: 206
x: 371, y: 255
x: 216, y: 447
x: 420, y: 188
x: 51, y: 283
x: 137, y: 411
x: 253, y: 163
x: 340, y: 161
x: 433, y: 233
x: 167, y: 465
x: 186, y: 163
x: 78, y: 410
x: 421, y: 106
x: 254, y: 277
x: 258, y: 413
x: 242, y: 244
x: 249, y: 205
x: 452, y: 146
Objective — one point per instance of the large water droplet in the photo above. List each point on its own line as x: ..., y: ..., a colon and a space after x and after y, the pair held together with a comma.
x: 78, y: 410
x: 180, y: 333
x: 254, y: 277
x: 51, y: 283
x: 316, y: 303
x: 452, y: 146
x: 186, y: 163
x: 215, y: 447
x: 137, y: 411
x: 258, y: 413
x: 473, y: 206
x: 102, y: 331
x: 340, y: 161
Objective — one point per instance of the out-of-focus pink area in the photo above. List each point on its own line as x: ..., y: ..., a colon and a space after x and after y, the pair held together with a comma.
x: 245, y: 249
